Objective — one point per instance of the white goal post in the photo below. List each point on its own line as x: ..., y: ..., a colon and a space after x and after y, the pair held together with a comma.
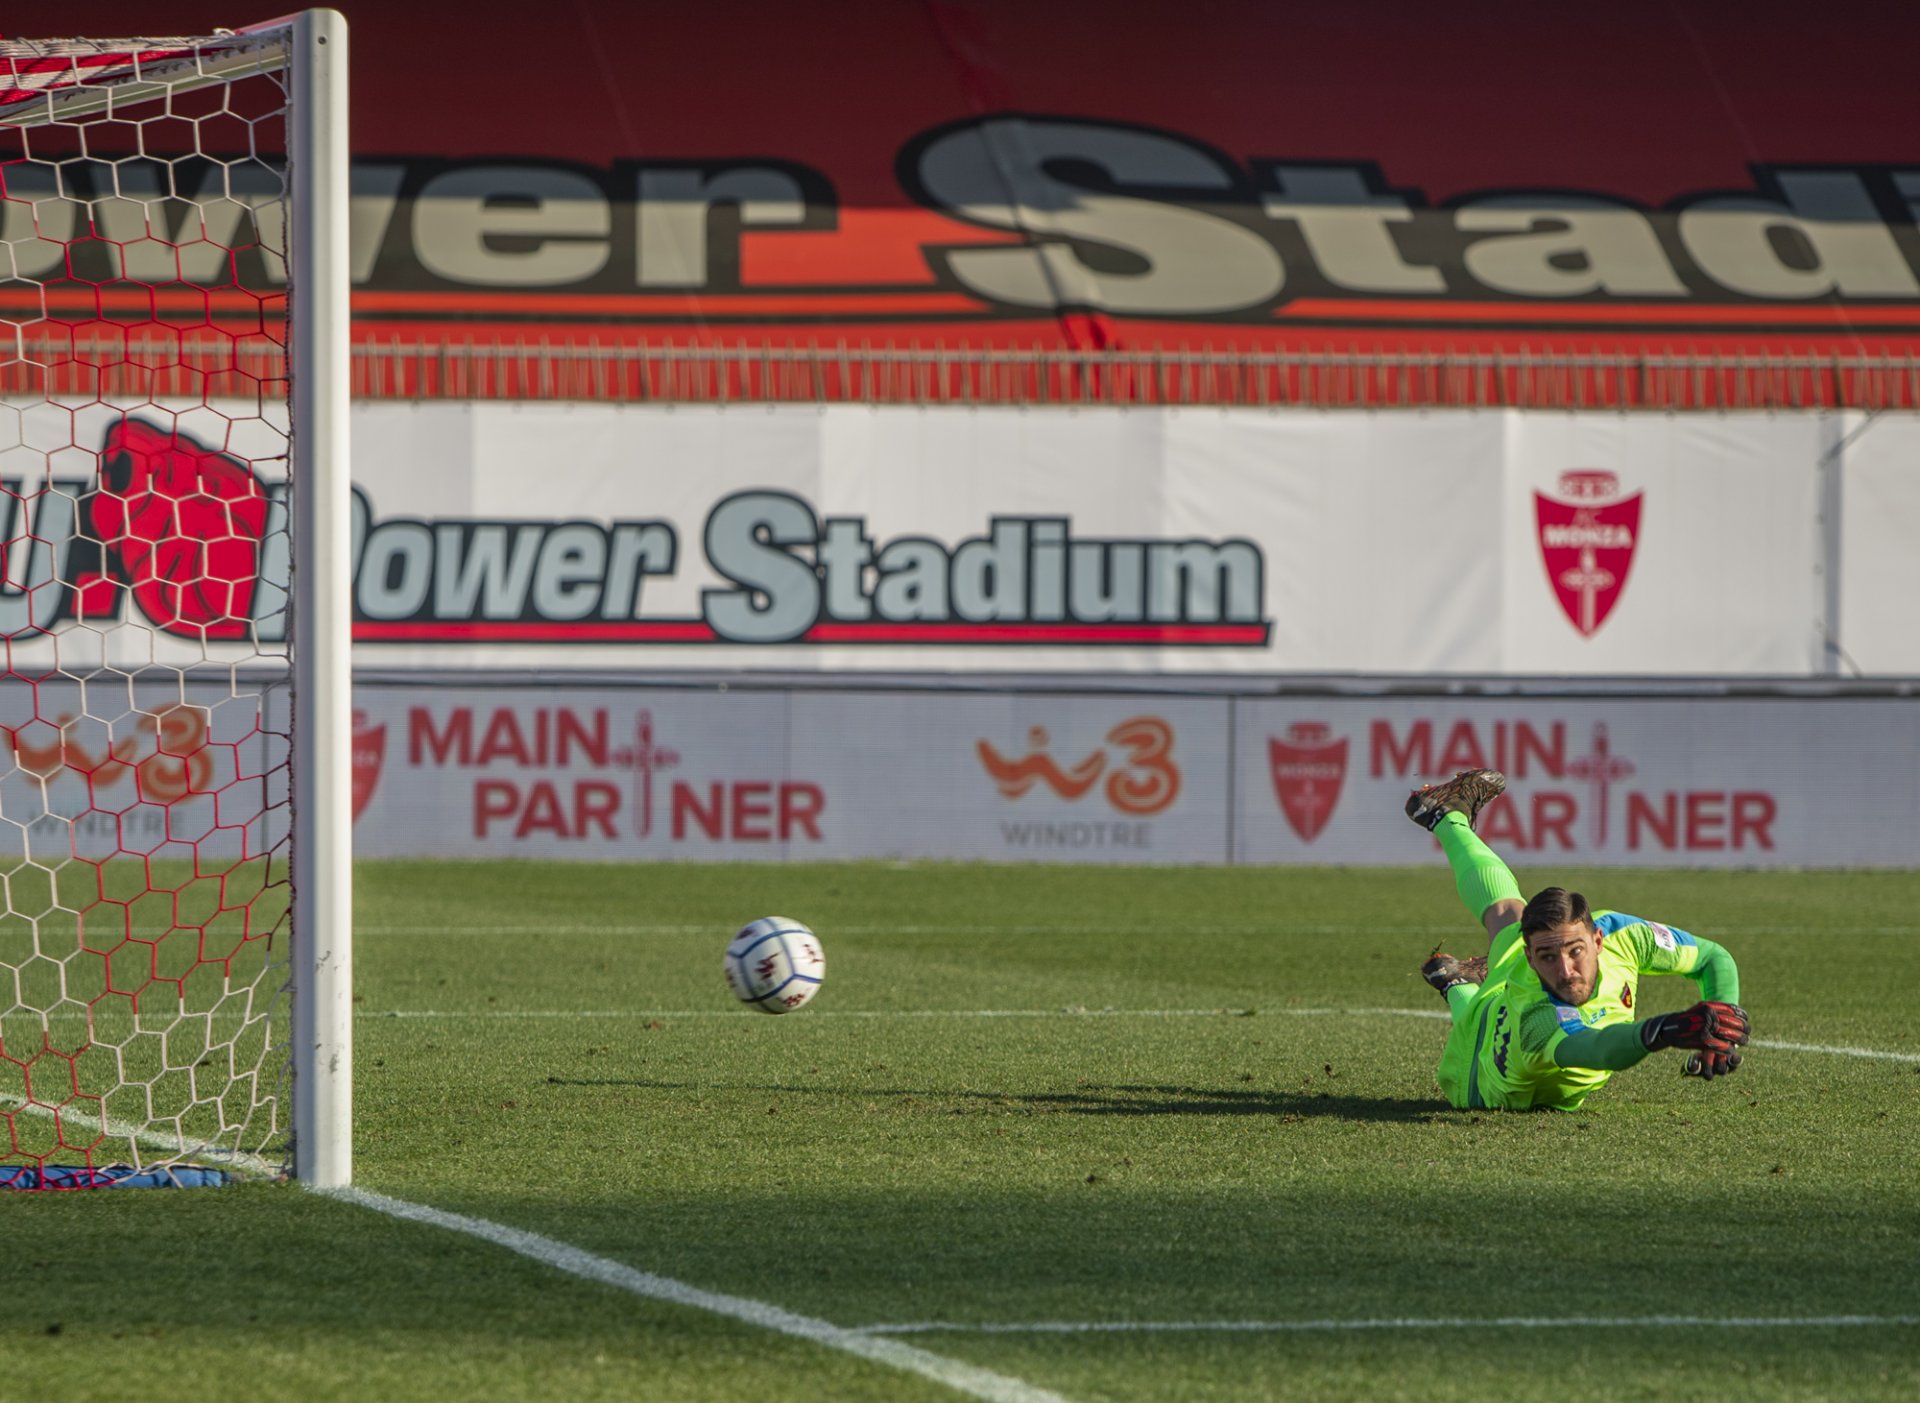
x: 175, y: 619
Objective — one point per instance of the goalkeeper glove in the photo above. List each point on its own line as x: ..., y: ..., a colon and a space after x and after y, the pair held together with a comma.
x: 1708, y: 1065
x: 1711, y: 1027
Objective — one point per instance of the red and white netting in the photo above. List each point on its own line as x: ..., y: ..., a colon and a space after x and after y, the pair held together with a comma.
x: 144, y: 709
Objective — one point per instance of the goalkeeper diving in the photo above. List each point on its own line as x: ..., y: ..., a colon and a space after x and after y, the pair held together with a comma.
x: 1546, y: 1016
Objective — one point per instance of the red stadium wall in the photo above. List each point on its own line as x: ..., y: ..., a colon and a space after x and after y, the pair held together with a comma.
x: 1528, y: 186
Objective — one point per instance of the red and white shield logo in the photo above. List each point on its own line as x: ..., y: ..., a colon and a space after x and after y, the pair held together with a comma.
x: 1309, y: 767
x: 1587, y: 543
x: 369, y: 753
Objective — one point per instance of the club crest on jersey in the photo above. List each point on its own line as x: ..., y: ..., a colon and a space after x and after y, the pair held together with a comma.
x: 1308, y: 766
x: 1587, y: 537
x: 1626, y: 994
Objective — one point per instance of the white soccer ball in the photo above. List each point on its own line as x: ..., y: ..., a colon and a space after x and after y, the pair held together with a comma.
x: 775, y: 964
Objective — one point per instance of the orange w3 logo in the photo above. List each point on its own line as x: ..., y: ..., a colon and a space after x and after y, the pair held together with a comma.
x: 1142, y: 780
x: 180, y: 761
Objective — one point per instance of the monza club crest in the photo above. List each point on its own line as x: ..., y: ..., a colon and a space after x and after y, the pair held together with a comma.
x: 1587, y: 537
x: 1309, y: 766
x: 369, y: 754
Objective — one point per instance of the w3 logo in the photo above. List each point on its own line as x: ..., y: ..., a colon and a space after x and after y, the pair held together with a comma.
x: 1136, y: 762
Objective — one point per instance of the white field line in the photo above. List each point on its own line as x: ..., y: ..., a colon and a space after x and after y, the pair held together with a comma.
x: 965, y: 1378
x: 1876, y: 1054
x: 1507, y: 1322
x: 1872, y: 1052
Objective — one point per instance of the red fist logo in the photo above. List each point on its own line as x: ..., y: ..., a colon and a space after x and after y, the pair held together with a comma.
x: 185, y: 523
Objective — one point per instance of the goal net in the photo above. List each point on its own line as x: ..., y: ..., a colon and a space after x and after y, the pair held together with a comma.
x: 174, y: 827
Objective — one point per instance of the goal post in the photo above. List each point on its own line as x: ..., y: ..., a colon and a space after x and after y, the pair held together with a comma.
x: 175, y: 617
x: 320, y: 349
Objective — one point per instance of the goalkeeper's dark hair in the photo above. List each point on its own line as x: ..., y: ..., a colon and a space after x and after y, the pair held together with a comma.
x: 1553, y: 908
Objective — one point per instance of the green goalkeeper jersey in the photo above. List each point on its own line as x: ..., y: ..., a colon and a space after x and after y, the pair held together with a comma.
x: 1517, y: 1046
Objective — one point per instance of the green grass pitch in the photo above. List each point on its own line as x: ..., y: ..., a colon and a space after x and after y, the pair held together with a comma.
x: 1030, y: 1096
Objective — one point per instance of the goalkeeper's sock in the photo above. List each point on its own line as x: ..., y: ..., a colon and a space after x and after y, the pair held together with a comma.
x: 1479, y: 875
x: 1459, y: 999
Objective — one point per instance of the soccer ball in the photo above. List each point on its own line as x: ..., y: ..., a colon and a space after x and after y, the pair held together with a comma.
x: 775, y: 964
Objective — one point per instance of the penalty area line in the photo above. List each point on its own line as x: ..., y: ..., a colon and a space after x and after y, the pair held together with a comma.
x: 964, y: 1378
x: 1510, y: 1322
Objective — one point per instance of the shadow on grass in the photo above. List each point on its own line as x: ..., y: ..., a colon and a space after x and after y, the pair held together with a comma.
x: 1091, y: 1099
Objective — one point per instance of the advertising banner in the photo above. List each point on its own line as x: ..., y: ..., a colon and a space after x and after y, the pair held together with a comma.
x: 1872, y: 509
x: 863, y: 539
x: 181, y: 772
x: 854, y: 538
x: 1077, y: 175
x: 687, y: 775
x: 1633, y: 781
x: 1640, y: 541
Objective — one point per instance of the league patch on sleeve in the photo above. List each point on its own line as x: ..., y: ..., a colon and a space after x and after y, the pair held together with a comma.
x: 1669, y: 937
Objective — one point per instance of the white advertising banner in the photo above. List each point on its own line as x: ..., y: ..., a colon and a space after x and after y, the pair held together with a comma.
x: 1668, y: 544
x: 851, y: 538
x: 625, y: 773
x: 1878, y: 508
x: 834, y: 538
x: 845, y: 538
x: 1374, y: 530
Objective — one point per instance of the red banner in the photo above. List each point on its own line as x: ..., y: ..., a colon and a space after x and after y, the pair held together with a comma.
x: 1388, y: 177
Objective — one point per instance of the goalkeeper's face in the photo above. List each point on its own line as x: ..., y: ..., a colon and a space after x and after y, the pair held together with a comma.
x: 1567, y: 959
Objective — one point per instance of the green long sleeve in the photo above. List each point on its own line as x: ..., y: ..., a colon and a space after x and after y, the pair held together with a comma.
x: 1715, y: 974
x: 1612, y: 1048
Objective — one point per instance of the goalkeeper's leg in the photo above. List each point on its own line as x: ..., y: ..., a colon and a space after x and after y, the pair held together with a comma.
x: 1485, y: 885
x: 1448, y: 810
x: 1488, y: 890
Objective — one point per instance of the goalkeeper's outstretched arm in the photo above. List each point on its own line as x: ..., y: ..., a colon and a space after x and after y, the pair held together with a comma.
x: 1712, y: 1029
x: 1714, y: 974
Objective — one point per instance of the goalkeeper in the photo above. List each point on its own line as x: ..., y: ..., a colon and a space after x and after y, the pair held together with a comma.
x: 1546, y: 1017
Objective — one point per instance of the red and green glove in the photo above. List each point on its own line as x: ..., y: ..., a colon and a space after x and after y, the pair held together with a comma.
x: 1713, y: 1030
